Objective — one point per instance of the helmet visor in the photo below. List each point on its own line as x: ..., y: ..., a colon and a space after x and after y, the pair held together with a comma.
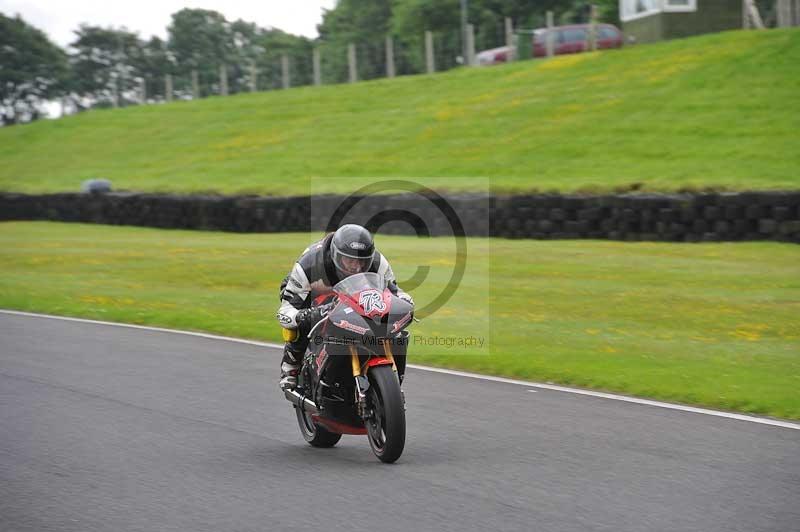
x: 350, y: 264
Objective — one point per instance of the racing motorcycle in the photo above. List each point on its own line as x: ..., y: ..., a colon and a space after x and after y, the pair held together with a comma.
x: 351, y: 375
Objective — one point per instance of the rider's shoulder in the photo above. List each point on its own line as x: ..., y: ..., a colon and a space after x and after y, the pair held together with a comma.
x: 314, y: 249
x: 312, y: 257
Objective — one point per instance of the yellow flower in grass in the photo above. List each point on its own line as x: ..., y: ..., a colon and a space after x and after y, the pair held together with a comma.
x: 565, y: 61
x: 749, y: 332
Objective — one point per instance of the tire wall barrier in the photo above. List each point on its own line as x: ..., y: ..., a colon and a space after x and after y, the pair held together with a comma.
x: 653, y: 217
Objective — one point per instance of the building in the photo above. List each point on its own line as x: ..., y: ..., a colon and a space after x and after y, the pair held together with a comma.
x: 656, y: 20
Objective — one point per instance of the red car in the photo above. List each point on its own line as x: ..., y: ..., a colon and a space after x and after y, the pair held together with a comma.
x: 495, y: 56
x: 567, y: 40
x: 573, y: 39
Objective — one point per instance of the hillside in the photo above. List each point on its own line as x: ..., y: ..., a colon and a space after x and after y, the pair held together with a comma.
x: 717, y: 111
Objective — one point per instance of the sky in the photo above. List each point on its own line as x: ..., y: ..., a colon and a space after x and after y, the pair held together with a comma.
x: 58, y: 18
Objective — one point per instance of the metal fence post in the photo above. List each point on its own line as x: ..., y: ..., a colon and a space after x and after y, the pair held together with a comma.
x: 195, y: 85
x: 115, y: 93
x: 351, y: 63
x: 470, y: 59
x: 223, y: 80
x: 782, y: 10
x: 286, y: 80
x: 746, y: 19
x: 464, y: 19
x: 430, y: 66
x: 550, y: 38
x: 591, y: 36
x: 168, y: 88
x: 510, y: 39
x: 316, y: 64
x: 253, y: 77
x: 389, y: 57
x: 787, y: 11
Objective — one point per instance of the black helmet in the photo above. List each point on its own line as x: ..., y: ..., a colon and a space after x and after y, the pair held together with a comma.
x: 352, y: 249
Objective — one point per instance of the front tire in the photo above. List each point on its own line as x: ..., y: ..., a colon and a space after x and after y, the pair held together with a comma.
x: 386, y: 422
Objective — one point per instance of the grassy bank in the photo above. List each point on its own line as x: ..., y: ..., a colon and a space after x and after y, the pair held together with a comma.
x: 718, y: 110
x: 710, y: 324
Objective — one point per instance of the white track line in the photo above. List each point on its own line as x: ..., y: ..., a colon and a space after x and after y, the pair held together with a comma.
x: 145, y: 328
x: 615, y: 397
x: 527, y: 384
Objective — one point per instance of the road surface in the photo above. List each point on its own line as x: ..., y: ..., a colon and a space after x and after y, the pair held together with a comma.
x: 106, y: 428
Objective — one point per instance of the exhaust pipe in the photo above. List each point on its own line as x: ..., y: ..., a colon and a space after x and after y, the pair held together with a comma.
x: 301, y: 401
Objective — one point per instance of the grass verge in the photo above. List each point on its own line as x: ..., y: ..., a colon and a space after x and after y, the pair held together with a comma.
x: 708, y: 324
x: 716, y: 111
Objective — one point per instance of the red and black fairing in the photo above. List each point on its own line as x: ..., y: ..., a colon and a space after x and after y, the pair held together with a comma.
x: 366, y: 320
x: 350, y: 324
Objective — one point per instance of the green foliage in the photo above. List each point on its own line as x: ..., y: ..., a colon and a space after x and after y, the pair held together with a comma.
x: 709, y: 324
x: 31, y: 69
x: 364, y: 23
x: 108, y: 64
x: 690, y: 113
x: 412, y: 18
x: 201, y: 40
x: 105, y: 62
x: 275, y: 44
x: 153, y: 65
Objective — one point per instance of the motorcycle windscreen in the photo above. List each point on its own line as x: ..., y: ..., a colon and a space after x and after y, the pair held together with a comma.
x: 359, y: 282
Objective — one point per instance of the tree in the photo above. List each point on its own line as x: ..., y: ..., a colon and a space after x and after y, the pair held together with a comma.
x: 364, y: 23
x: 154, y: 64
x: 264, y: 48
x: 201, y: 40
x: 412, y: 18
x: 32, y: 69
x: 274, y: 44
x: 106, y: 64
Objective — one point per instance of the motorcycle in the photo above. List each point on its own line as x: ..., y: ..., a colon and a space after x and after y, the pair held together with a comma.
x: 351, y: 375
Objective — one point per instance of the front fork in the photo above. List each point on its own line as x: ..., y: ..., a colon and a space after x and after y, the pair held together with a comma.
x: 362, y: 382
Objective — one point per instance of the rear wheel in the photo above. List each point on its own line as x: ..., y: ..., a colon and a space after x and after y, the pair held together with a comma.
x: 313, y: 433
x: 386, y: 419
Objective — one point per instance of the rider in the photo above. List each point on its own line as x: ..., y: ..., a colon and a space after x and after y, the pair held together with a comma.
x: 347, y: 251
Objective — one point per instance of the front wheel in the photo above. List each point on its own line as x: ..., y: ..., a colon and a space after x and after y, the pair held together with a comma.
x: 386, y: 419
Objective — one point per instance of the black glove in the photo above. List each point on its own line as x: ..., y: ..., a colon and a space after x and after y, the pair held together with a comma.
x: 308, y: 317
x: 394, y: 289
x: 283, y: 287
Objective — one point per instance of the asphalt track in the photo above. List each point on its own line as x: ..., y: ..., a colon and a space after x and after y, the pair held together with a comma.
x: 110, y: 429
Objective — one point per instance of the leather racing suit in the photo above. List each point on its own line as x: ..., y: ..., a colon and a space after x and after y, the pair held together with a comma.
x: 308, y: 284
